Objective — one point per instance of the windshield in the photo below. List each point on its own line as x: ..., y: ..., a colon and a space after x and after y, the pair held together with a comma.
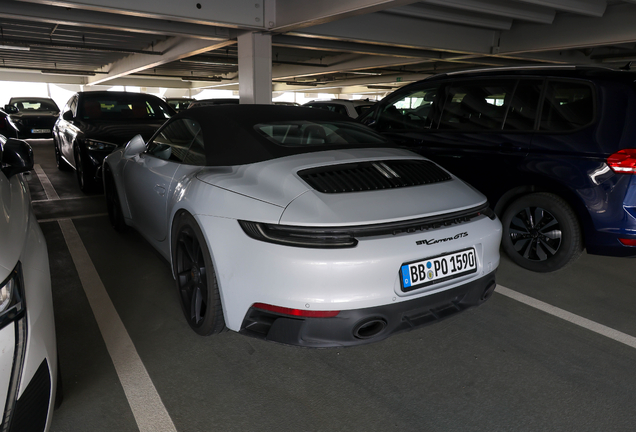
x: 123, y: 107
x: 307, y: 133
x: 35, y: 105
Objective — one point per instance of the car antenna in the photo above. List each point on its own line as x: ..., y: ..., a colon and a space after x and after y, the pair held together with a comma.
x: 627, y: 67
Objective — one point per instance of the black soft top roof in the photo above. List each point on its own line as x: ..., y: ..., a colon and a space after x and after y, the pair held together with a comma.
x: 231, y: 139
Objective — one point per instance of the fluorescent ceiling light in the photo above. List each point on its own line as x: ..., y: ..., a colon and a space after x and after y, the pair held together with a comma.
x: 66, y: 72
x: 14, y: 47
x: 196, y: 78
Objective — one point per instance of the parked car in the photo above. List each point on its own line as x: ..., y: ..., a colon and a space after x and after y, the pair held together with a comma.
x: 301, y: 226
x: 179, y: 104
x: 350, y: 108
x: 28, y: 355
x: 215, y: 101
x: 552, y: 148
x: 7, y: 129
x: 93, y: 124
x: 32, y: 117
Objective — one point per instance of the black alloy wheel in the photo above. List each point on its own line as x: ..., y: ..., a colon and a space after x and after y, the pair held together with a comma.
x: 115, y: 214
x: 196, y: 279
x: 541, y: 232
x: 83, y: 179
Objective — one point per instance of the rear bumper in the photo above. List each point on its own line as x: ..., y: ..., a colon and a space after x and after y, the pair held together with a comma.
x: 360, y: 326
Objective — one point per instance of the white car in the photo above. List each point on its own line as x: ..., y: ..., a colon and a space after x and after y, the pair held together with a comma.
x: 301, y: 226
x: 28, y: 355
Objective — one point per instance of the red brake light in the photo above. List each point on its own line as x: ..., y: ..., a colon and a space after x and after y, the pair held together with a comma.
x: 296, y: 312
x: 623, y: 161
x: 627, y: 242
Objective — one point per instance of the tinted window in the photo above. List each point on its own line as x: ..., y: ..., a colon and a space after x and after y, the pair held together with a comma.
x: 122, y: 107
x: 567, y: 106
x: 306, y: 133
x: 35, y: 105
x: 173, y: 141
x: 196, y: 153
x: 522, y: 111
x: 414, y: 110
x: 477, y: 105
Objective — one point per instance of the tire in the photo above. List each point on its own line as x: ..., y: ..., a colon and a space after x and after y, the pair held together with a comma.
x: 86, y: 183
x: 196, y: 279
x: 113, y: 204
x: 541, y: 233
x: 59, y: 161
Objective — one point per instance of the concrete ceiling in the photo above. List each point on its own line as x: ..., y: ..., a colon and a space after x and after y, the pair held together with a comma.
x: 317, y: 45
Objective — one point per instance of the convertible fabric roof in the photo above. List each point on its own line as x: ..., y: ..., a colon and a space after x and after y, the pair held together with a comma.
x: 231, y: 139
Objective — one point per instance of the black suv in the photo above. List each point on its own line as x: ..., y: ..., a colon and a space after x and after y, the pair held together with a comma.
x: 553, y: 148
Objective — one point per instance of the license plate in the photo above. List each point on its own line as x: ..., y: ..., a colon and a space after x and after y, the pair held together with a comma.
x: 40, y: 130
x: 437, y: 269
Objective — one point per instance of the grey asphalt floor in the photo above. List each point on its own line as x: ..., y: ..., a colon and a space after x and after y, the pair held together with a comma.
x: 504, y: 366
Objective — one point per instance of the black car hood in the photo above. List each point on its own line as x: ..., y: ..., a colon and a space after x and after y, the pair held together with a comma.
x: 118, y: 132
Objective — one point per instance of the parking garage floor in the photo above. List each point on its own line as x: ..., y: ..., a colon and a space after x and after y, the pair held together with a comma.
x: 548, y: 352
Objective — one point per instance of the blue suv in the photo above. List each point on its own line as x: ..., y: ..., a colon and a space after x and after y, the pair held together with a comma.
x: 553, y: 148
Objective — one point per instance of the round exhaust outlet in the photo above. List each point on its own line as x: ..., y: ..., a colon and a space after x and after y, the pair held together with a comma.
x: 369, y: 328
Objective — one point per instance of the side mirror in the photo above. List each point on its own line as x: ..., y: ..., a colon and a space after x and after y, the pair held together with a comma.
x: 16, y: 156
x: 68, y: 116
x: 11, y: 109
x: 134, y: 147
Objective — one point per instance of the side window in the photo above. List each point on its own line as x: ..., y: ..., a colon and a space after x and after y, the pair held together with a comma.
x: 476, y: 105
x: 415, y: 110
x: 196, y: 153
x: 340, y: 109
x: 173, y: 141
x: 567, y: 106
x: 522, y: 111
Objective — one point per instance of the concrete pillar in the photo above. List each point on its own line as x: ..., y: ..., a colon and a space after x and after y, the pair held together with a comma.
x: 255, y: 68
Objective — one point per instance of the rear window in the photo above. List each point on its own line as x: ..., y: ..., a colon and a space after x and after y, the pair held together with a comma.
x: 123, y: 107
x: 306, y: 133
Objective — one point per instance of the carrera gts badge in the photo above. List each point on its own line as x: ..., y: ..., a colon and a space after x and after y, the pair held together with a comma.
x: 443, y: 240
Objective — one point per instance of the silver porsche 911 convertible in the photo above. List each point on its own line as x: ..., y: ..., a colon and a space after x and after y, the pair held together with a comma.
x: 301, y: 226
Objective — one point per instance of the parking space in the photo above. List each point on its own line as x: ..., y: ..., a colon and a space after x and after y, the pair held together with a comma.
x: 503, y: 366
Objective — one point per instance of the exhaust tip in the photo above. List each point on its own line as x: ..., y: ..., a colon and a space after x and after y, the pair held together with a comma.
x: 369, y: 328
x: 488, y: 292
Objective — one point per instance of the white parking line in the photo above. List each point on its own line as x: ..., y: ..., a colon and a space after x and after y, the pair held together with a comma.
x: 150, y: 413
x: 568, y: 316
x: 49, y: 190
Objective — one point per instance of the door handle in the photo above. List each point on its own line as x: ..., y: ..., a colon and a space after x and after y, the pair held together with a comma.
x: 160, y: 190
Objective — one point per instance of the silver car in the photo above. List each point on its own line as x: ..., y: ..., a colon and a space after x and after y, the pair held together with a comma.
x: 28, y: 355
x: 302, y: 226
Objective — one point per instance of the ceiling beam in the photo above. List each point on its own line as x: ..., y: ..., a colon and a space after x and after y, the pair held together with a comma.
x: 294, y: 14
x: 502, y: 8
x: 87, y: 18
x: 572, y: 31
x: 594, y: 8
x: 348, y: 47
x: 435, y: 13
x: 405, y: 32
x: 173, y: 49
x: 247, y: 14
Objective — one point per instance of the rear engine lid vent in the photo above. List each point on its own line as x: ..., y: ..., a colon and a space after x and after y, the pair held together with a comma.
x: 373, y: 175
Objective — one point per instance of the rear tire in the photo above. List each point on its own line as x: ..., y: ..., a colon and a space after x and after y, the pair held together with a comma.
x: 196, y: 278
x: 541, y: 233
